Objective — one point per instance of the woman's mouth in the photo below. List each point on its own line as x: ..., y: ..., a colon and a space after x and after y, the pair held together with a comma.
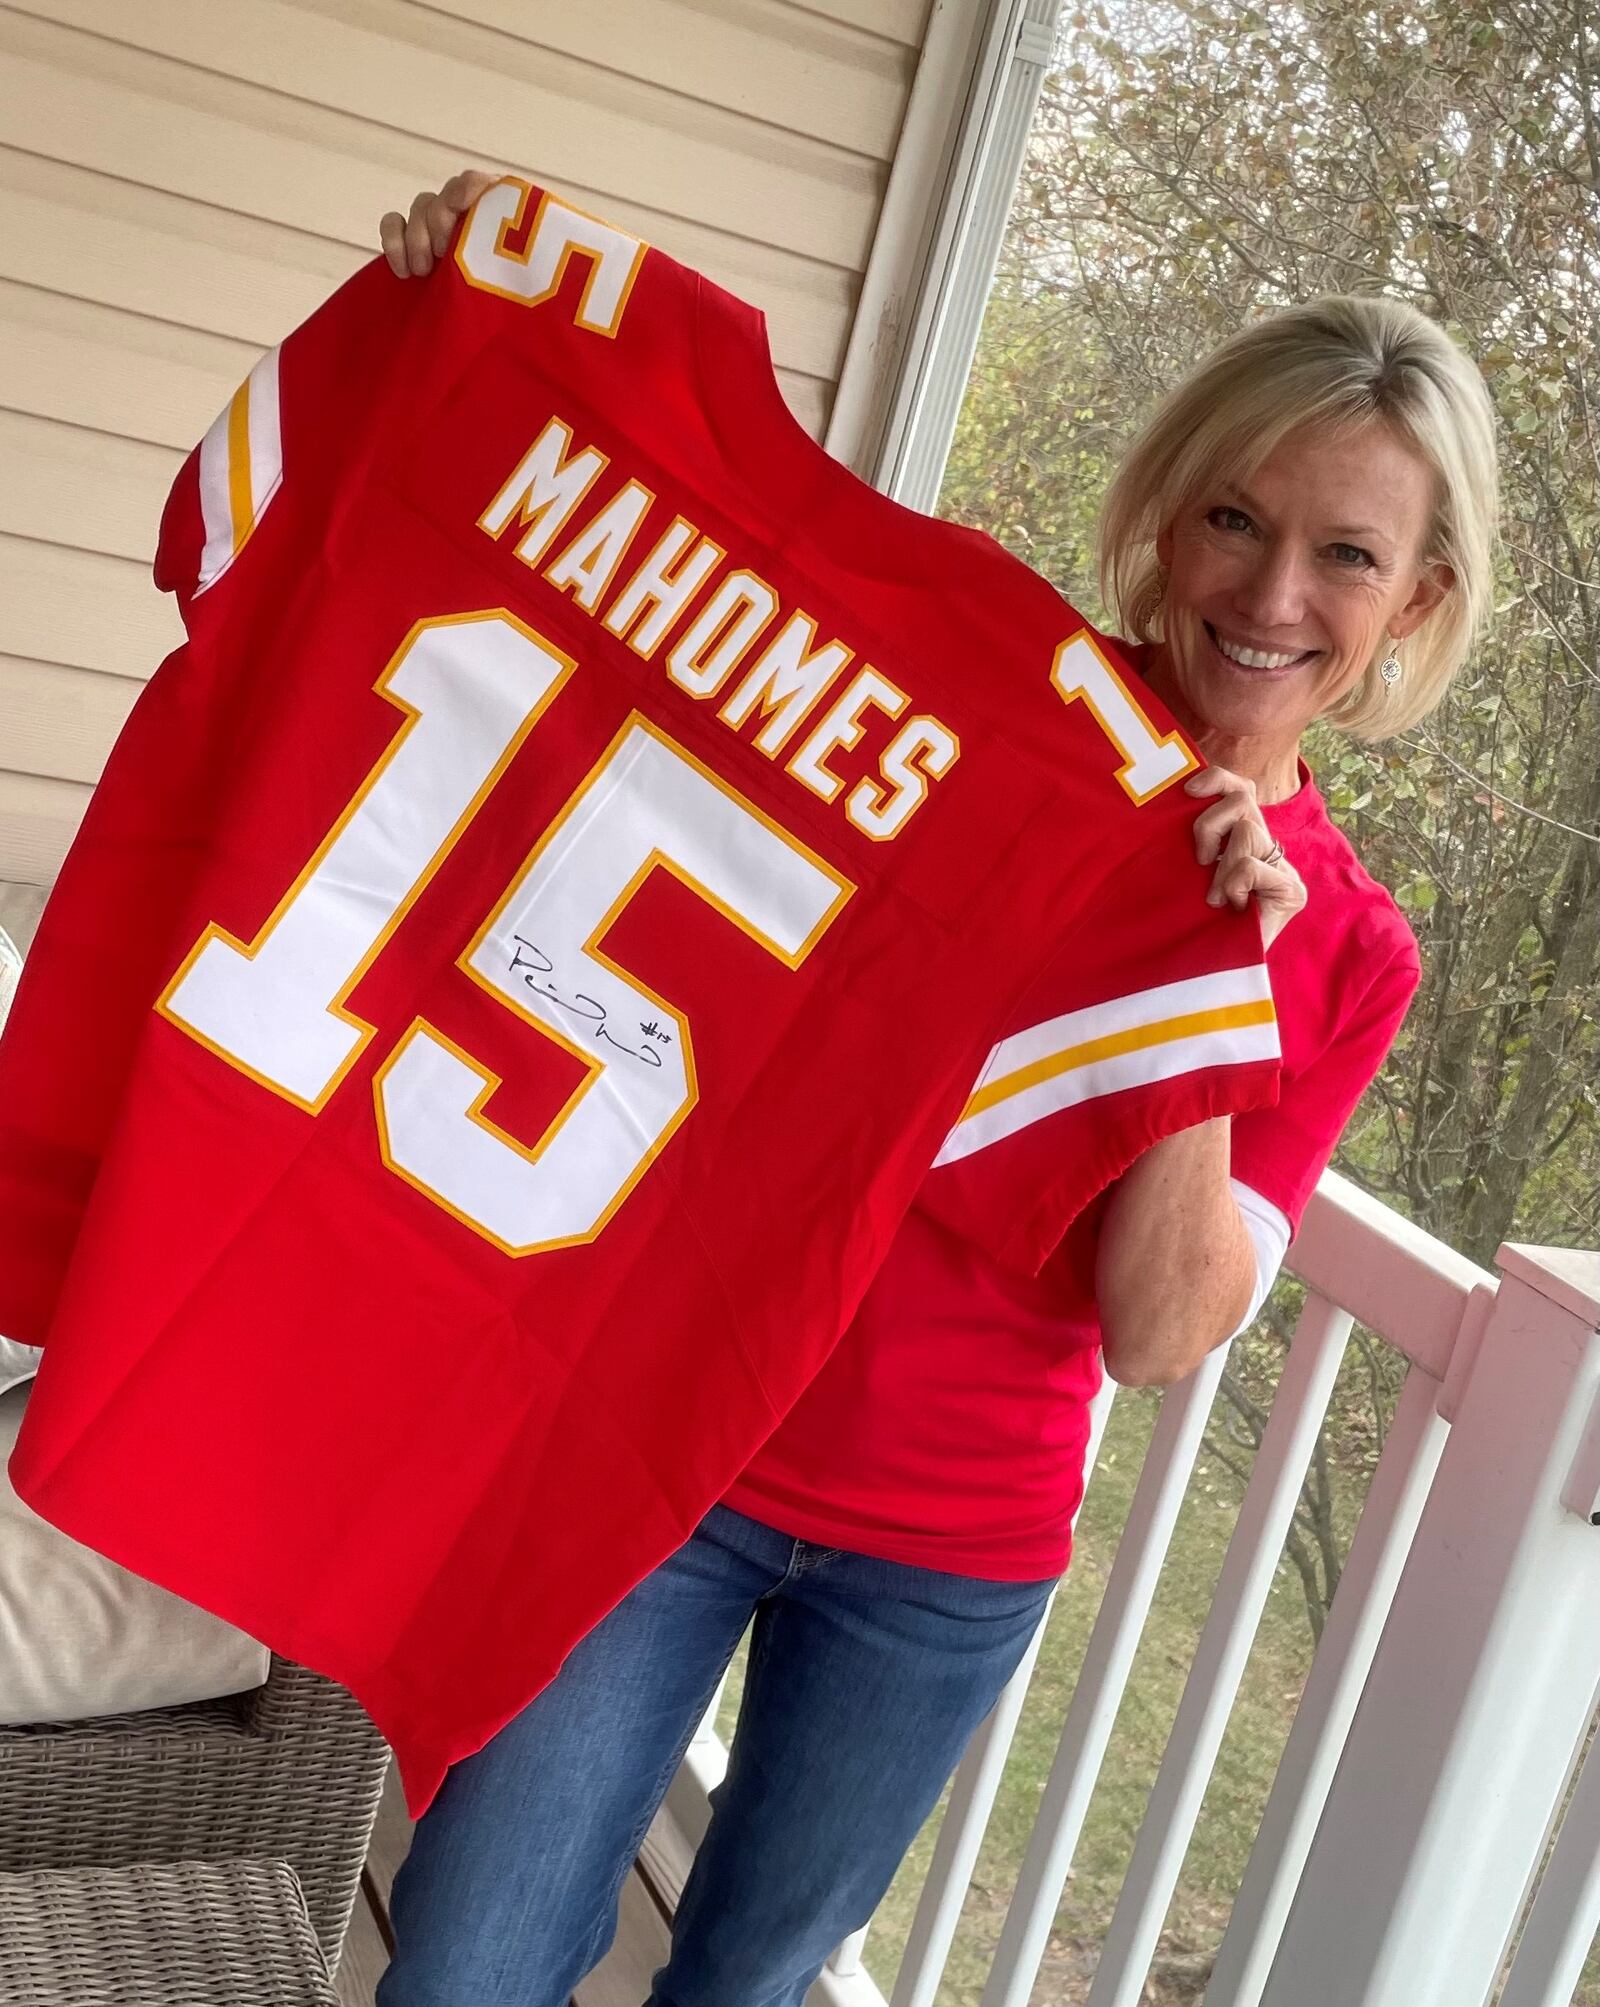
x: 1251, y: 661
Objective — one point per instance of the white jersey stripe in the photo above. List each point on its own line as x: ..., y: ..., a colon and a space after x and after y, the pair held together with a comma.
x: 1148, y: 1035
x: 1139, y: 1007
x: 215, y: 510
x: 266, y: 441
x: 241, y: 467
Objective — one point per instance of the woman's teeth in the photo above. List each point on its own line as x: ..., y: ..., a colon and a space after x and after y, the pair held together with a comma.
x: 1254, y: 658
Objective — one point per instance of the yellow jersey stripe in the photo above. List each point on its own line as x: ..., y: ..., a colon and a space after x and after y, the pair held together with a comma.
x: 241, y: 496
x: 1136, y: 1038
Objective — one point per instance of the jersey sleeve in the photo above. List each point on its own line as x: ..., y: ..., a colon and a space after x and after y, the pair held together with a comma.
x: 378, y: 357
x: 1281, y: 1152
x: 1156, y: 1014
x: 225, y: 487
x: 291, y: 436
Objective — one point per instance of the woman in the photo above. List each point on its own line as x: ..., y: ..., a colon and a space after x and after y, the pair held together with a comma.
x: 1302, y: 531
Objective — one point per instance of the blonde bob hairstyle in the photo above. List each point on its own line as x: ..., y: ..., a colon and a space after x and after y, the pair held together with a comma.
x: 1342, y: 361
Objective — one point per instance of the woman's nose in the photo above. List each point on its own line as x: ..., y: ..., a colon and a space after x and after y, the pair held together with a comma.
x: 1273, y: 592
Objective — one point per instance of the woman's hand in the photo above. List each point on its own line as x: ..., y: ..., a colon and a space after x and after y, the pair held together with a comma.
x: 411, y: 243
x: 1233, y: 834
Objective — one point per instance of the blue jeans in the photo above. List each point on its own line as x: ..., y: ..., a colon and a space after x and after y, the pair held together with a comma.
x: 865, y: 1682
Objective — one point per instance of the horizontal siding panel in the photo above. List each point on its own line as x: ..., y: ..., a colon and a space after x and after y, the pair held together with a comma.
x: 156, y: 250
x: 64, y: 485
x: 809, y: 400
x: 60, y: 723
x: 65, y: 246
x: 603, y: 129
x: 92, y: 365
x: 38, y: 820
x: 74, y: 98
x: 82, y: 609
x: 53, y: 247
x: 763, y: 58
x: 898, y: 20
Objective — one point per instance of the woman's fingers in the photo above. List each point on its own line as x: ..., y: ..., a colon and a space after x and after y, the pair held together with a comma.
x: 1233, y: 834
x: 419, y: 244
x: 392, y: 236
x: 1249, y: 843
x: 452, y: 203
x: 1250, y: 878
x: 463, y: 189
x: 1218, y: 824
x: 441, y: 224
x: 1235, y: 803
x: 1278, y: 890
x: 414, y: 242
x: 1236, y: 879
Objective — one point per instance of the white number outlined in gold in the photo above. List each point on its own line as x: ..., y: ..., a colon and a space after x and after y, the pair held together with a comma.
x: 473, y: 686
x: 1151, y: 760
x: 490, y: 258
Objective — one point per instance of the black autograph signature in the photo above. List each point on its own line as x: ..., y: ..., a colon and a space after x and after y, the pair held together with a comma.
x: 532, y: 963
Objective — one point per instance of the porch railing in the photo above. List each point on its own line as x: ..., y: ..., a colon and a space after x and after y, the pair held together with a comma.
x: 1442, y: 1725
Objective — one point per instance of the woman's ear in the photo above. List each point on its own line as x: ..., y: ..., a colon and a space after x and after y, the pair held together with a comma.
x: 1433, y: 582
x: 1164, y: 546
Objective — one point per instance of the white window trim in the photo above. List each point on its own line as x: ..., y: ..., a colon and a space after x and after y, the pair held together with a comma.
x: 933, y: 259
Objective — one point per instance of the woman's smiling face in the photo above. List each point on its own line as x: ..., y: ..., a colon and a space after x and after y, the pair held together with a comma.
x: 1281, y: 589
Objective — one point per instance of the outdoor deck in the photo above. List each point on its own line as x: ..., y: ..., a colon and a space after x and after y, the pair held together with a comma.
x: 621, y: 1980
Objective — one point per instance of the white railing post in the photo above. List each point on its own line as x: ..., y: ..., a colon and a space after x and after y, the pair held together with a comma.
x: 1481, y: 1685
x: 955, y: 1854
x: 1219, y: 1660
x: 1372, y: 1569
x: 972, y: 1795
x: 1101, y: 1684
x: 1565, y: 1917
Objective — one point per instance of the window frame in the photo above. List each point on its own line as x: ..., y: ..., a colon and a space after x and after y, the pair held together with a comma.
x: 923, y: 294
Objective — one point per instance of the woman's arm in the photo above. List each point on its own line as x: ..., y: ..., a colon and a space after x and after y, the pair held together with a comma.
x: 1177, y: 1270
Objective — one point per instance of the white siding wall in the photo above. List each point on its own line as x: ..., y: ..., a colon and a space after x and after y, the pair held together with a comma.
x: 181, y: 181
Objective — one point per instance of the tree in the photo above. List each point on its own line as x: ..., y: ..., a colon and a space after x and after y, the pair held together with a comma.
x: 1190, y: 168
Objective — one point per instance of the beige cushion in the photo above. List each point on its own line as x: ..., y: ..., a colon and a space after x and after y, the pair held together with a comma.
x: 17, y: 1362
x: 80, y: 1636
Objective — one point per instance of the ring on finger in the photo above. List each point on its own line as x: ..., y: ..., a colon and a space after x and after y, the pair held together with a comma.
x: 1274, y: 855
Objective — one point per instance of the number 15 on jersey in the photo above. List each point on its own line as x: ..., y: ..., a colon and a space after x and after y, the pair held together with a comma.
x: 473, y: 687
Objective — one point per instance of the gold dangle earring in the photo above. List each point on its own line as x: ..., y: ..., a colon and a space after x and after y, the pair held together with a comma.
x: 1389, y: 668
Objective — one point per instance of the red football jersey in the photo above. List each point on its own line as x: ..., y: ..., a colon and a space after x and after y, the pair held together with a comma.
x: 525, y: 951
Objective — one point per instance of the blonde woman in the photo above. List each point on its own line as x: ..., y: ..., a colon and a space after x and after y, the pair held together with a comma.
x: 1303, y: 531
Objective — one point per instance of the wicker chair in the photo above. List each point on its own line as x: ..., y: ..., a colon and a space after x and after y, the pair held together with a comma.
x: 291, y: 1772
x: 229, y: 1934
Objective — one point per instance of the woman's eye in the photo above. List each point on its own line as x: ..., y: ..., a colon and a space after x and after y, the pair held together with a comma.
x: 1227, y: 518
x: 1351, y: 554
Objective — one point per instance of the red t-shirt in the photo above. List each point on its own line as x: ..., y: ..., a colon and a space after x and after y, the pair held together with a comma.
x: 948, y: 1428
